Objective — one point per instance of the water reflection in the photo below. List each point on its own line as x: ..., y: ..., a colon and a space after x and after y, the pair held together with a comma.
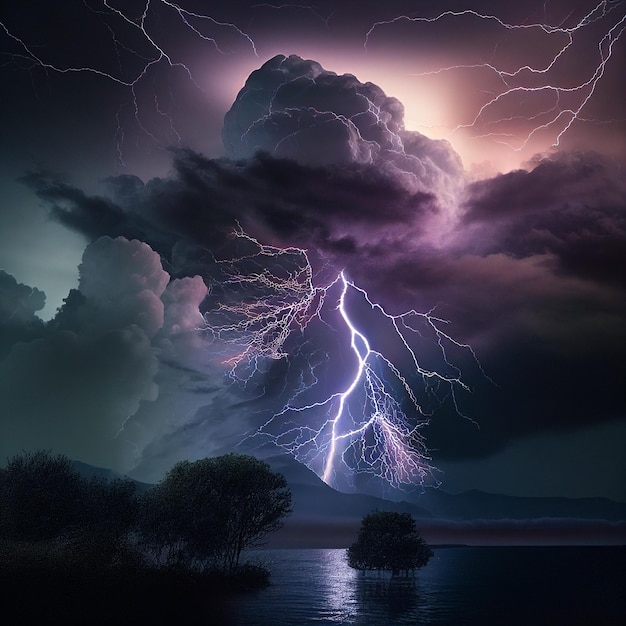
x: 341, y: 603
x: 318, y: 587
x: 351, y: 597
x: 464, y: 586
x: 394, y: 597
x: 374, y: 598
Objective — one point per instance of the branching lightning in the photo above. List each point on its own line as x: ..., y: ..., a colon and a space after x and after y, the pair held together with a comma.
x: 369, y: 417
x: 604, y: 23
x: 139, y: 51
x: 280, y: 297
x: 131, y: 75
x: 372, y: 422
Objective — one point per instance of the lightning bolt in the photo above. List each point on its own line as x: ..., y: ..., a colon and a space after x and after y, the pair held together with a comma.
x: 382, y: 440
x: 142, y: 63
x: 517, y: 85
x: 139, y: 50
x: 373, y: 423
x: 279, y: 296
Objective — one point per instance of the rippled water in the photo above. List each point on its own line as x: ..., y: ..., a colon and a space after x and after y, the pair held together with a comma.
x: 495, y: 585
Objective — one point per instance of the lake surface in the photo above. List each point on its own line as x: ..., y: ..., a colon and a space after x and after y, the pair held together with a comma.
x: 558, y: 586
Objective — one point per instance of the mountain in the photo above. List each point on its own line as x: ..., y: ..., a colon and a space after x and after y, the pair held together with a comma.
x: 480, y: 505
x: 91, y: 471
x: 312, y: 495
x: 325, y: 518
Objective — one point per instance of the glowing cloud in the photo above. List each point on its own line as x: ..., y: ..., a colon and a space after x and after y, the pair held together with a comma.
x: 294, y: 108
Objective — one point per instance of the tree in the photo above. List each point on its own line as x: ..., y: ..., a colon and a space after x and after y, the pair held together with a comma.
x: 388, y: 542
x: 43, y: 498
x: 108, y: 514
x: 40, y: 496
x: 205, y: 513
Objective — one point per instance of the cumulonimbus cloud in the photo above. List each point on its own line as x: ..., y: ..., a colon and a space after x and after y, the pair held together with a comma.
x: 530, y: 264
x: 294, y: 108
x: 72, y: 384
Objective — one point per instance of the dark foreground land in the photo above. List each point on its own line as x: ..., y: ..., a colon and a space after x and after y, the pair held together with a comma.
x: 56, y: 591
x: 49, y: 597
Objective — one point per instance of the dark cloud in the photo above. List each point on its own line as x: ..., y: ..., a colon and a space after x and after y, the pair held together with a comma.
x: 527, y: 266
x: 73, y: 393
x: 17, y: 301
x: 18, y: 307
x: 73, y: 387
x: 294, y: 107
x: 124, y: 376
x: 96, y: 216
x: 526, y: 272
x: 122, y: 282
x: 347, y: 211
x: 571, y: 206
x: 74, y: 384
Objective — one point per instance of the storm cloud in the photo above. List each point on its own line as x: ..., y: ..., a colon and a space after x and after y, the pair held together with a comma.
x: 72, y: 384
x: 526, y: 266
x: 515, y: 273
x: 294, y: 108
x: 570, y: 206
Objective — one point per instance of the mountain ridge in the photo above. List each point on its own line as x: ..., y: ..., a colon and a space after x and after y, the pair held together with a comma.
x: 323, y: 517
x: 312, y: 496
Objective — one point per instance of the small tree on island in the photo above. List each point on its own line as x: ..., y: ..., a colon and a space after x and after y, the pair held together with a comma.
x: 389, y: 541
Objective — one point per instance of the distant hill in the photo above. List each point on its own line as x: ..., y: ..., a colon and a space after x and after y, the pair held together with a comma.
x: 313, y: 495
x: 480, y: 505
x: 325, y: 518
x: 91, y: 471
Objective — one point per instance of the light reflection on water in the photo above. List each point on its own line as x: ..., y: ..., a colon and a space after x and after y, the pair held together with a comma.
x: 318, y: 587
x: 338, y: 595
x: 459, y: 586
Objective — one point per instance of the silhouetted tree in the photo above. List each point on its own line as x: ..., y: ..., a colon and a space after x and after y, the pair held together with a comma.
x: 388, y: 542
x: 205, y: 513
x: 43, y: 498
x: 40, y: 496
x: 108, y: 515
x: 164, y: 521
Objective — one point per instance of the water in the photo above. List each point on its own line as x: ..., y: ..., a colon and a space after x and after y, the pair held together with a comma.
x: 559, y: 586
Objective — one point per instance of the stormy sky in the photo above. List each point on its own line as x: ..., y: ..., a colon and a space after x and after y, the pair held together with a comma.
x: 463, y: 159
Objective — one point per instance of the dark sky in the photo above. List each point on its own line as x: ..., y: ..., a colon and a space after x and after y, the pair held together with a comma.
x: 462, y: 159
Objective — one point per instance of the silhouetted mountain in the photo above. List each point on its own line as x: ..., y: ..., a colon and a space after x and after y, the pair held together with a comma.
x: 312, y: 496
x: 325, y: 518
x: 90, y: 471
x: 480, y: 505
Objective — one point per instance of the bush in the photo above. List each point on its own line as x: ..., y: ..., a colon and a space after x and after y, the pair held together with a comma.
x: 193, y: 526
x: 249, y: 576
